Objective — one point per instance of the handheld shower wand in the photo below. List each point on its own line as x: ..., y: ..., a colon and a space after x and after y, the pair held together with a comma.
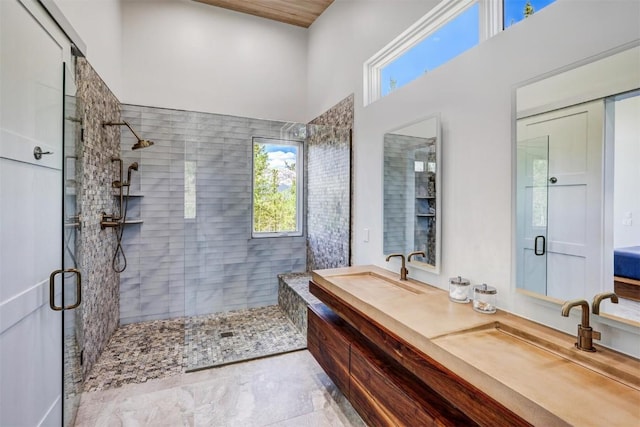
x: 133, y: 166
x: 124, y: 206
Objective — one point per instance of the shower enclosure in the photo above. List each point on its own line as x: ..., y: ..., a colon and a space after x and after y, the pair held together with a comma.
x: 192, y: 253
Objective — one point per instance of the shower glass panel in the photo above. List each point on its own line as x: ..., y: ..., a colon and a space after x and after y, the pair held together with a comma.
x: 531, y: 211
x: 226, y: 268
x: 72, y: 331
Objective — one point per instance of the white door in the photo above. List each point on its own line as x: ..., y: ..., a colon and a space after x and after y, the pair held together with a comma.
x: 574, y: 229
x: 32, y: 52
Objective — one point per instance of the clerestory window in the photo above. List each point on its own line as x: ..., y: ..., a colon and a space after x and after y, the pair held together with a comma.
x: 449, y: 29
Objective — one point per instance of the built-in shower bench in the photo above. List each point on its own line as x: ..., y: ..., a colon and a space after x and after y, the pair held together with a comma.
x: 294, y: 297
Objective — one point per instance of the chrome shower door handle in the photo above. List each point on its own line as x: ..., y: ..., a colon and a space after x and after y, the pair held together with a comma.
x: 52, y: 278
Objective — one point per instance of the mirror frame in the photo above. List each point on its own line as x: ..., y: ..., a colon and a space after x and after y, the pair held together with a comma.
x: 434, y: 269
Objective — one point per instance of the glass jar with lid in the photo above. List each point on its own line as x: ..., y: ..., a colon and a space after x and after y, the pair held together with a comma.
x: 459, y: 290
x: 484, y: 299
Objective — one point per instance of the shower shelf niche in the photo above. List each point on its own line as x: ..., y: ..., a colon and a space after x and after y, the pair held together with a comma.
x: 133, y: 206
x: 130, y: 195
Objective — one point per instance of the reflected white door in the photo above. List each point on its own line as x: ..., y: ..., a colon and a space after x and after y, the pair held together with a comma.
x: 32, y: 52
x: 574, y: 235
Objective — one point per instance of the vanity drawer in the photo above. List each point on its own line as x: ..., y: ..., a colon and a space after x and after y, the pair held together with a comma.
x: 329, y: 341
x: 385, y: 393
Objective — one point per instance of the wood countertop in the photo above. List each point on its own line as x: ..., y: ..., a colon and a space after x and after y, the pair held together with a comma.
x: 531, y: 369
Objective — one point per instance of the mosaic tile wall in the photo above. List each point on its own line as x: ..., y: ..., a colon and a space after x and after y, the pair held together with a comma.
x: 409, y: 197
x: 340, y: 115
x: 192, y: 266
x: 97, y: 317
x: 329, y: 188
x: 294, y: 297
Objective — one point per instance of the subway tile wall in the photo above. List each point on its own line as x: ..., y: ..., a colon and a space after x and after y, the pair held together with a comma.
x: 398, y: 205
x: 190, y: 266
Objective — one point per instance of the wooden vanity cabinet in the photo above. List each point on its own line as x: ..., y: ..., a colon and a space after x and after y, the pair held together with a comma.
x: 387, y: 380
x: 383, y: 392
x: 329, y: 341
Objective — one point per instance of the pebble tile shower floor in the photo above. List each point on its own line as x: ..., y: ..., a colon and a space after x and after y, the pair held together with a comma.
x: 161, y: 348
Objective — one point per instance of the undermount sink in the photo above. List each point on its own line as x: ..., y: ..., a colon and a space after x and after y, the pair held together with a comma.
x: 370, y: 279
x: 544, y: 369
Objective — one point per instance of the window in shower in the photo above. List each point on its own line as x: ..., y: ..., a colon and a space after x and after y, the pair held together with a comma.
x: 189, y: 189
x: 277, y: 187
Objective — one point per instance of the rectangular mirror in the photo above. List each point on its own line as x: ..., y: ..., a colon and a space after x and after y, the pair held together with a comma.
x: 412, y: 192
x: 578, y: 183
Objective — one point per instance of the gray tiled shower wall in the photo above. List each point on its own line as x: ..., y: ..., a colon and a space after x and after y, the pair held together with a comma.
x: 209, y: 263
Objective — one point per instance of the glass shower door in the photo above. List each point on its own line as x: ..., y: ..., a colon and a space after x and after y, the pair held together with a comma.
x: 531, y: 214
x: 72, y: 176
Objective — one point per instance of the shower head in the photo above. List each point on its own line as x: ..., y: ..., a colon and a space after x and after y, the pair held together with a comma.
x: 142, y: 143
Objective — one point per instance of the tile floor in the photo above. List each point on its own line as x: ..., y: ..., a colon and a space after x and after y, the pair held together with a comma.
x: 222, y: 338
x: 285, y: 390
x: 144, y: 351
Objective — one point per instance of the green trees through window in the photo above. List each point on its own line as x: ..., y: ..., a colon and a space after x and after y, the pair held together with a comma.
x: 276, y: 171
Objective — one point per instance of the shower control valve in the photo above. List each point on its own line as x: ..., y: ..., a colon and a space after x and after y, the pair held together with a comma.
x: 109, y: 221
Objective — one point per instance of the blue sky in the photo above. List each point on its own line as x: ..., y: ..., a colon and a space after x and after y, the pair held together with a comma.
x: 278, y: 155
x: 446, y: 43
x: 269, y: 148
x: 513, y: 9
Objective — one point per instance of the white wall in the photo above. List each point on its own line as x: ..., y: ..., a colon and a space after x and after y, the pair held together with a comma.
x: 473, y: 93
x: 98, y: 22
x: 347, y: 34
x: 626, y: 200
x: 187, y: 55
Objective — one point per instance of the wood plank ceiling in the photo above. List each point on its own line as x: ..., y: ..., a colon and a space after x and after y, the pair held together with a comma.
x: 296, y: 12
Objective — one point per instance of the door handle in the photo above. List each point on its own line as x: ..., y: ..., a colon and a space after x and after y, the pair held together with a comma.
x: 52, y: 278
x: 535, y: 246
x: 38, y: 153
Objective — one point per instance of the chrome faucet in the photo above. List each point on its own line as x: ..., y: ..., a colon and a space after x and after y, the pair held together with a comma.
x: 586, y: 334
x: 403, y: 268
x: 595, y: 306
x: 416, y: 253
